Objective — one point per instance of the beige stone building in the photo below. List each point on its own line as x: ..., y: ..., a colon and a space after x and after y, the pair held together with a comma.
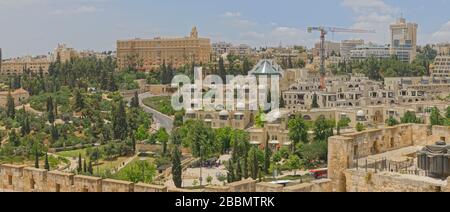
x: 19, y: 65
x: 19, y: 96
x: 149, y: 54
x: 348, y: 45
x: 64, y: 53
x: 441, y: 67
x: 404, y: 40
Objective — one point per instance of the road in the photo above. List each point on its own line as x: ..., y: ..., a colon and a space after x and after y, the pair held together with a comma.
x: 163, y: 120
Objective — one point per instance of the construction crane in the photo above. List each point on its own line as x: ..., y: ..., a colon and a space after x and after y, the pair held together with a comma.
x: 323, y: 32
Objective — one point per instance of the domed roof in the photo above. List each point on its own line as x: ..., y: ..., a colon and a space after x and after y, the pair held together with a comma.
x: 360, y: 113
x: 224, y: 113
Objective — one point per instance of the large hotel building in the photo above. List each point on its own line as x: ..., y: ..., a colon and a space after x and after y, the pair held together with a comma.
x: 149, y: 54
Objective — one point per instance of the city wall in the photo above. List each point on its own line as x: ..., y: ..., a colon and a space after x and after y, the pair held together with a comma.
x: 345, y: 149
x: 18, y: 178
x: 361, y: 181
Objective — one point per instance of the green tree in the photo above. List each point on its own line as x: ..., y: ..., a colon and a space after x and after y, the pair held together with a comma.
x: 255, y: 162
x: 178, y: 121
x: 342, y: 123
x: 90, y: 168
x: 141, y: 171
x: 223, y: 137
x: 410, y: 117
x: 163, y: 139
x: 13, y: 138
x: 25, y: 128
x: 294, y: 163
x: 142, y: 133
x: 230, y: 174
x: 85, y: 168
x: 260, y: 119
x: 10, y: 106
x: 120, y: 125
x: 50, y: 110
x: 80, y: 164
x: 323, y: 128
x: 135, y: 100
x: 79, y: 101
x: 436, y: 117
x: 267, y: 156
x: 176, y: 167
x: 238, y: 171
x: 391, y: 121
x: 36, y: 159
x: 222, y: 72
x: 315, y: 103
x: 298, y: 131
x: 46, y: 163
x: 360, y: 127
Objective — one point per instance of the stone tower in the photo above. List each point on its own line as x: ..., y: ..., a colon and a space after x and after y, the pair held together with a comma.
x: 194, y: 32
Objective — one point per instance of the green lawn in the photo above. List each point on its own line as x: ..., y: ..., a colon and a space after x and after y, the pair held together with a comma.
x: 73, y: 153
x: 161, y: 104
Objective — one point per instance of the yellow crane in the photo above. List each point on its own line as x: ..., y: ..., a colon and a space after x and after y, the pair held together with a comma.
x: 323, y: 32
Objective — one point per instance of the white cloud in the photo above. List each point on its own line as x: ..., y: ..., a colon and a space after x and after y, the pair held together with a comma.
x: 443, y: 34
x: 79, y: 10
x: 232, y: 14
x: 234, y: 19
x: 278, y: 35
x: 373, y: 15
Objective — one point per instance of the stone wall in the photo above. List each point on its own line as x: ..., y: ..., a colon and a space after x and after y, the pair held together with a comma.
x: 247, y: 185
x: 19, y: 178
x: 441, y: 133
x: 362, y: 181
x: 344, y: 149
x: 268, y: 187
x: 323, y: 185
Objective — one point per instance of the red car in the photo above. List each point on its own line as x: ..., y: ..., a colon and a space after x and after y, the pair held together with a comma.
x: 319, y: 173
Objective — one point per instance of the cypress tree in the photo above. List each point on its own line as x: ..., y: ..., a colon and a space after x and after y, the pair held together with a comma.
x: 47, y: 165
x: 79, y: 101
x: 55, y: 133
x: 222, y: 72
x: 267, y: 156
x: 238, y: 171
x: 25, y: 128
x: 80, y: 165
x: 10, y: 106
x: 13, y: 139
x: 255, y: 165
x: 84, y: 166
x: 176, y: 167
x: 135, y: 100
x: 50, y: 110
x: 120, y: 125
x: 90, y: 168
x: 230, y: 174
x: 36, y: 159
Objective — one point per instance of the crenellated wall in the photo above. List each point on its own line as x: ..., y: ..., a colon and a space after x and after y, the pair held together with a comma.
x: 18, y: 178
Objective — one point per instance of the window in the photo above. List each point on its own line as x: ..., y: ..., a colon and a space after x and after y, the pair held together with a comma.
x: 10, y: 180
x: 57, y: 188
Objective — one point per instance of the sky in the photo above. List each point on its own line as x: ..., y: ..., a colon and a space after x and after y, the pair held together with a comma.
x: 35, y: 27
